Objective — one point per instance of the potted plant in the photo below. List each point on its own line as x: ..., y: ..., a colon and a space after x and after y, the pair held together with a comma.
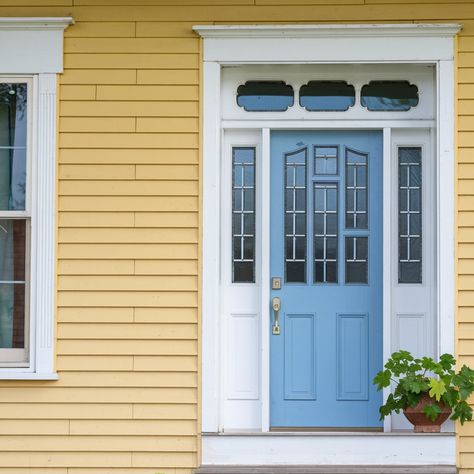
x: 428, y: 392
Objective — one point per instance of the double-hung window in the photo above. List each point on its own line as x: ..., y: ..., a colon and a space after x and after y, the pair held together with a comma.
x: 15, y: 220
x: 29, y: 69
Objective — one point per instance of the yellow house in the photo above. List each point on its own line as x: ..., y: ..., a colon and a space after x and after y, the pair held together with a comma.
x: 218, y: 218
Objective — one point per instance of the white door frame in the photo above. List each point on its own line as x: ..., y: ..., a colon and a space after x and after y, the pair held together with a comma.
x: 319, y: 44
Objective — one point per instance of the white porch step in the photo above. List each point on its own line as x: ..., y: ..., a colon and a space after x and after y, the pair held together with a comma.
x: 326, y: 470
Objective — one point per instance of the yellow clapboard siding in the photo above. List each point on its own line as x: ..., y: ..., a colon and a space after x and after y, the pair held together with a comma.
x: 129, y: 140
x: 170, y: 2
x: 133, y: 427
x: 96, y: 219
x: 98, y: 76
x: 464, y: 314
x: 97, y: 124
x: 139, y: 156
x: 166, y: 172
x: 137, y: 235
x: 125, y: 379
x: 163, y: 459
x: 466, y: 75
x: 131, y: 61
x: 160, y: 29
x: 91, y: 443
x: 78, y: 92
x: 166, y: 315
x: 131, y: 45
x: 33, y: 427
x: 169, y: 219
x: 128, y: 203
x: 127, y: 251
x: 127, y: 331
x: 94, y: 363
x: 35, y: 470
x: 128, y: 109
x: 127, y: 283
x: 97, y: 172
x: 162, y: 363
x: 127, y: 267
x: 288, y: 13
x: 168, y: 124
x: 66, y: 459
x: 166, y: 267
x: 67, y: 411
x: 129, y: 188
x: 132, y: 470
x: 124, y: 347
x: 148, y: 92
x: 86, y: 395
x: 167, y: 76
x: 96, y: 267
x: 128, y: 298
x: 96, y: 315
x: 101, y: 29
x: 164, y: 411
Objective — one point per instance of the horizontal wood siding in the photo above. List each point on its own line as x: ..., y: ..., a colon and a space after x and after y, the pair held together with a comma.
x: 128, y: 230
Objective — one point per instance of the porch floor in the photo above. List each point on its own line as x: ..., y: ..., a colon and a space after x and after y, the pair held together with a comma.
x: 427, y: 469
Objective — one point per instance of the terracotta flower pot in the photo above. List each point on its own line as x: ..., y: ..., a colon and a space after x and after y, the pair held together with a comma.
x: 422, y: 424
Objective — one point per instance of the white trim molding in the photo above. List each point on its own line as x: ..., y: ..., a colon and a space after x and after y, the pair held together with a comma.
x: 35, y: 49
x: 238, y: 45
x: 35, y: 45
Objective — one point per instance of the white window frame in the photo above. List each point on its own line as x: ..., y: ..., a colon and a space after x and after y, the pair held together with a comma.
x: 35, y: 51
x: 320, y: 44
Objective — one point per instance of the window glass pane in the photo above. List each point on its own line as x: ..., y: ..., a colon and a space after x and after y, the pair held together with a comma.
x: 13, y: 138
x: 325, y: 160
x: 356, y: 259
x: 243, y: 215
x: 325, y: 232
x: 409, y: 215
x: 389, y: 96
x: 327, y: 96
x: 265, y: 96
x: 295, y: 217
x: 356, y: 190
x: 12, y: 283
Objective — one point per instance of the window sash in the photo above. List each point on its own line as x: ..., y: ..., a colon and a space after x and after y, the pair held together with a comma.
x: 21, y: 357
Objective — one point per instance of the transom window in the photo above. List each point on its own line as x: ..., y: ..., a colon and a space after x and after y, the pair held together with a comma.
x: 327, y: 96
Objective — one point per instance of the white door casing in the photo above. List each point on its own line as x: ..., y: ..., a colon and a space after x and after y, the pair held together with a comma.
x: 225, y: 406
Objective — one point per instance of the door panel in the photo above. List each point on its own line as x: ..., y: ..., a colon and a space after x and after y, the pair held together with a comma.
x: 326, y: 246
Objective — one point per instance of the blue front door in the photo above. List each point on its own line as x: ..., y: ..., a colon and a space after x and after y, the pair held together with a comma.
x: 326, y: 251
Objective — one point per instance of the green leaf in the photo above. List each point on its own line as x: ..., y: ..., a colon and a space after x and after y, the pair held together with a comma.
x: 431, y: 411
x: 437, y: 389
x: 382, y: 379
x: 447, y: 361
x: 462, y: 412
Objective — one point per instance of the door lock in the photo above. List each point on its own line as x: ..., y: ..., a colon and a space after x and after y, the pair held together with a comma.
x: 276, y: 303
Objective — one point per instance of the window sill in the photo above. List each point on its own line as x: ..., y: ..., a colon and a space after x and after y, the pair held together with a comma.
x: 28, y: 376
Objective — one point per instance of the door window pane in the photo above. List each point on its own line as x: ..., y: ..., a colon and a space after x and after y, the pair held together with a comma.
x: 356, y: 190
x: 295, y: 217
x: 325, y: 160
x: 243, y: 215
x: 356, y: 259
x: 13, y: 139
x: 265, y: 96
x: 327, y: 96
x: 389, y: 96
x: 325, y: 232
x: 409, y: 215
x: 12, y: 283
